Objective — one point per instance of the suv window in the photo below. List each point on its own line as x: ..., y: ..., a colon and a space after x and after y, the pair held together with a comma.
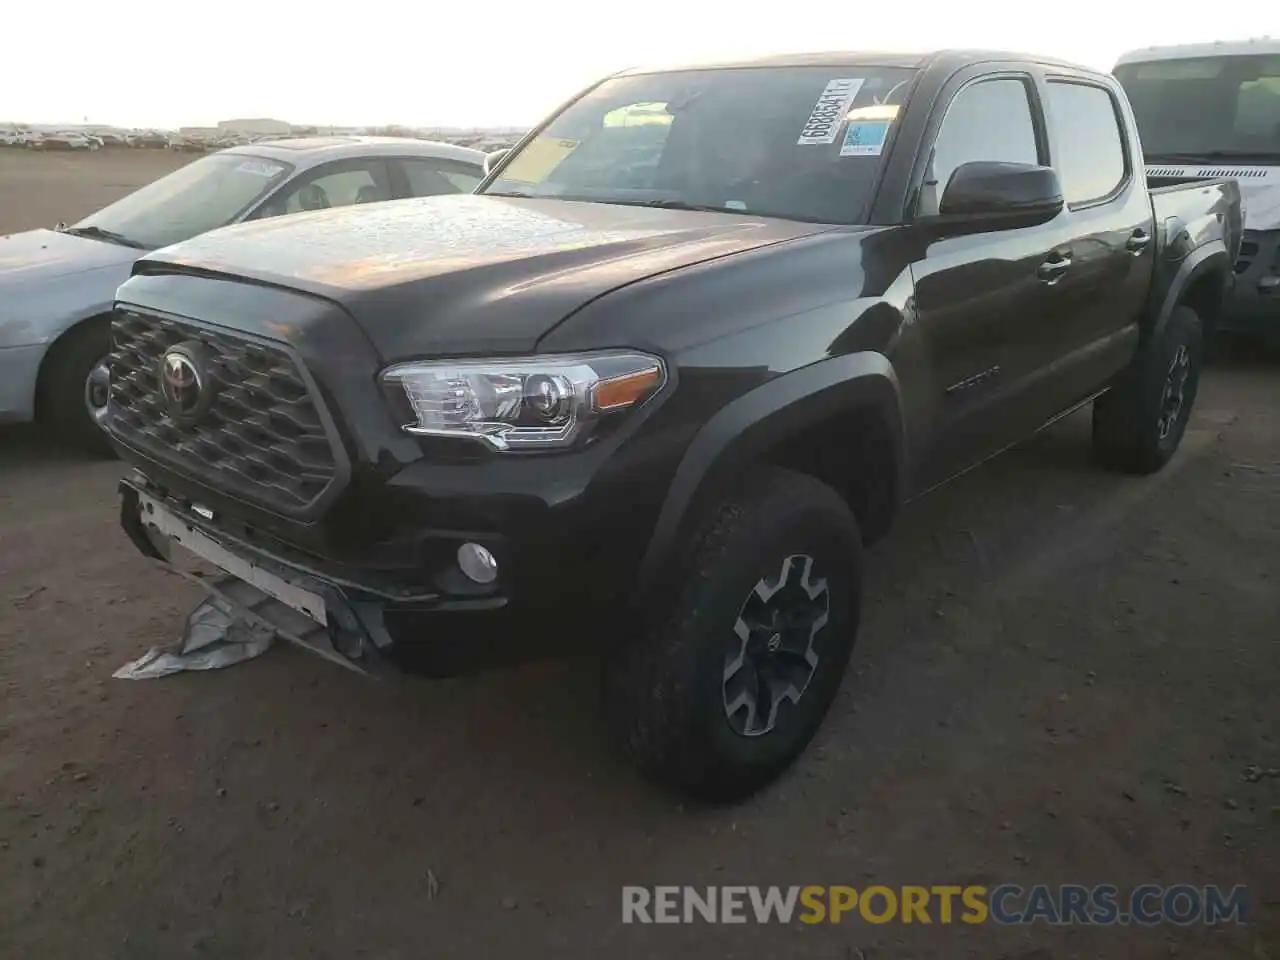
x: 428, y: 177
x: 987, y: 120
x: 1090, y: 145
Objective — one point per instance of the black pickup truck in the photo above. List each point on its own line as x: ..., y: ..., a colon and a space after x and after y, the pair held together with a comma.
x: 686, y: 352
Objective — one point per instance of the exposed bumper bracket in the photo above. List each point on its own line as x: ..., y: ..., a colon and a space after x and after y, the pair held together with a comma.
x: 352, y: 632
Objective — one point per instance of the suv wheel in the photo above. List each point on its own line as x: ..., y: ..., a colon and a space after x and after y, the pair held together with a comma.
x: 733, y: 676
x: 1138, y: 424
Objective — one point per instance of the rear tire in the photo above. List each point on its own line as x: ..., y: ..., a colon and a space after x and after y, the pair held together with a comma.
x: 767, y: 605
x: 64, y: 400
x: 1139, y: 423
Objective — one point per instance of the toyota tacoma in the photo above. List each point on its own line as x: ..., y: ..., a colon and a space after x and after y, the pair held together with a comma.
x: 657, y: 384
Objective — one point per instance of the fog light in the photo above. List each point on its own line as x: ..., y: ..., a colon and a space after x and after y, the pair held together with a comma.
x: 477, y: 563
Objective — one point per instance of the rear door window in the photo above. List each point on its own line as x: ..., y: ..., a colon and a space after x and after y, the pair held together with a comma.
x: 1089, y: 143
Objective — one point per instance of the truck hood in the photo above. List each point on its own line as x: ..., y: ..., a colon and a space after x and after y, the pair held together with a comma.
x: 465, y: 273
x: 48, y: 255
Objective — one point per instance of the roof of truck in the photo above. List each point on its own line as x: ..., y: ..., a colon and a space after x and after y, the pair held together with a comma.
x: 865, y: 58
x: 1264, y: 46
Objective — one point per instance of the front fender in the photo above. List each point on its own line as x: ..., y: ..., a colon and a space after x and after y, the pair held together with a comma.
x: 743, y: 430
x: 33, y: 319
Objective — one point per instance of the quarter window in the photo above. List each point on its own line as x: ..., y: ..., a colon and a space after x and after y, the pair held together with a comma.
x: 1090, y: 148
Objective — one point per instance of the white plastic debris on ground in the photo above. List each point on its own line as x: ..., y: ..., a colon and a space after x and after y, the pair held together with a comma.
x: 216, y: 636
x: 236, y: 622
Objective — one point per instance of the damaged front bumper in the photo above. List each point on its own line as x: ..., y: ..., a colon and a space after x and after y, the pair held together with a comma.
x: 336, y: 618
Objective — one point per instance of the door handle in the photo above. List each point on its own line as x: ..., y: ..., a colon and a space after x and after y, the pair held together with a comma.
x: 1053, y: 269
x: 1269, y: 286
x: 1137, y: 242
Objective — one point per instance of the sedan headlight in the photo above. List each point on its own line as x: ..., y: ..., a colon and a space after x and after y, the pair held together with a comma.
x: 530, y: 403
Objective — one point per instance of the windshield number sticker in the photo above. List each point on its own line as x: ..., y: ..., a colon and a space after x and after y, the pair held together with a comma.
x: 829, y: 112
x: 864, y: 138
x: 261, y: 168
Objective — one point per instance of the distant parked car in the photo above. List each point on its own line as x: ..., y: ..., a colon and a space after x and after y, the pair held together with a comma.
x: 57, y: 286
x: 64, y: 141
x: 188, y: 144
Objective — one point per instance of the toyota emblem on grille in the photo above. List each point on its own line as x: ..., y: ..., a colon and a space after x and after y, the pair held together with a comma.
x: 186, y: 380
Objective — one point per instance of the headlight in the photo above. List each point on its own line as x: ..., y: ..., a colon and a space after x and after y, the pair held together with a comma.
x: 530, y: 403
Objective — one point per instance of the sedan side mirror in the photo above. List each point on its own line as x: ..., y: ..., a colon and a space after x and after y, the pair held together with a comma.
x: 1012, y: 194
x: 491, y: 160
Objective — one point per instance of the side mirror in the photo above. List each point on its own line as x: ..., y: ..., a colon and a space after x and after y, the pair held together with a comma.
x: 1013, y: 194
x: 491, y: 160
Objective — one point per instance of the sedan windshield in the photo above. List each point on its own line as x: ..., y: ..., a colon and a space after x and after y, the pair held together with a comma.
x: 207, y: 193
x: 800, y: 143
x: 1210, y: 107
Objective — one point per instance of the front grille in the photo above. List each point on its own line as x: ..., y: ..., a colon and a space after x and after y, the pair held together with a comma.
x: 262, y: 438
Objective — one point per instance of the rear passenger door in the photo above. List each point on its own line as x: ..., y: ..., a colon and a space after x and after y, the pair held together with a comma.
x: 1107, y: 231
x: 982, y: 300
x: 430, y: 177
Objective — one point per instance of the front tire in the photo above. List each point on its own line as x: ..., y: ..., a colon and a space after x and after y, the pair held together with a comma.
x: 73, y: 386
x: 1139, y: 423
x: 736, y: 670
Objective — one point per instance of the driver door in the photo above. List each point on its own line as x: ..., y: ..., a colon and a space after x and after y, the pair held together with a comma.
x: 981, y: 298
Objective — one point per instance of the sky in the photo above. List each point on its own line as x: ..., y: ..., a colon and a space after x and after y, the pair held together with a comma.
x: 499, y: 63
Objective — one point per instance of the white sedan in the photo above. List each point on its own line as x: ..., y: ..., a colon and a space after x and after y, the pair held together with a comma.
x: 57, y: 286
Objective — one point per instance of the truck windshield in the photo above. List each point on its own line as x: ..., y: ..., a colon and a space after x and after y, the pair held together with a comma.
x: 1211, y: 107
x: 801, y: 143
x: 207, y: 193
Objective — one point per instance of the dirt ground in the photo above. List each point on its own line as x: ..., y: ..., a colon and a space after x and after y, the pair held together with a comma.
x: 1063, y: 676
x: 39, y: 188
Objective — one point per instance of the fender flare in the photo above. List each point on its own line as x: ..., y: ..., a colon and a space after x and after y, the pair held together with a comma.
x: 1199, y: 262
x: 741, y: 430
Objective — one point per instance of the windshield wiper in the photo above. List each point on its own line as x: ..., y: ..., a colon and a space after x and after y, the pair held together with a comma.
x: 97, y: 233
x: 682, y: 205
x: 711, y: 208
x: 666, y: 204
x: 669, y: 204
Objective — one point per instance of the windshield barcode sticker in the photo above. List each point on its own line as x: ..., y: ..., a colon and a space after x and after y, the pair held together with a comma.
x: 261, y: 168
x: 829, y: 112
x: 864, y: 138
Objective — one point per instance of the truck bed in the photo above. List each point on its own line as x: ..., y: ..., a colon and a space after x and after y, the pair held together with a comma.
x: 1196, y: 212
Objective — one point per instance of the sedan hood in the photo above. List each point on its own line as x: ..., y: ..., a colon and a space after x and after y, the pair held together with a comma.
x: 468, y: 274
x: 47, y: 254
